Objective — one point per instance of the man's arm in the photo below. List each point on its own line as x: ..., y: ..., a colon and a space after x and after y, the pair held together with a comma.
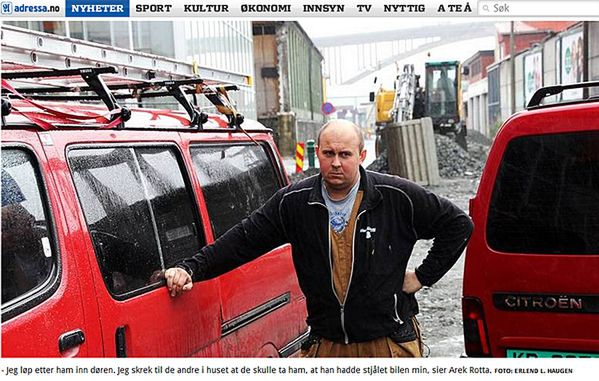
x: 258, y: 234
x: 450, y: 228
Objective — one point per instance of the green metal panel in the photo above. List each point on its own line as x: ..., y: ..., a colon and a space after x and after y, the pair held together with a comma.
x: 305, y: 72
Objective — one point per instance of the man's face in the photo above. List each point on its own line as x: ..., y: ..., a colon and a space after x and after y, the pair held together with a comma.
x: 340, y: 158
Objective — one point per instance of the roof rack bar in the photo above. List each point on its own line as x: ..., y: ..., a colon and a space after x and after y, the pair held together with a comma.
x: 60, y: 73
x: 129, y: 128
x: 196, y: 117
x: 72, y: 97
x: 136, y: 86
x: 548, y: 91
x: 99, y: 87
x: 90, y: 97
x: 63, y: 89
x: 89, y: 75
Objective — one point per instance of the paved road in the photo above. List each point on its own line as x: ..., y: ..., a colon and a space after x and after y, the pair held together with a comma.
x: 440, y: 306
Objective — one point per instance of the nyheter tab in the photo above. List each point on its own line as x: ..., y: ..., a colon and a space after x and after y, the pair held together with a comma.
x: 97, y: 8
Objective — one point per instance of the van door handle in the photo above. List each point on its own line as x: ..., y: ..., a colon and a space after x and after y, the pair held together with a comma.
x: 70, y: 340
x: 121, y: 344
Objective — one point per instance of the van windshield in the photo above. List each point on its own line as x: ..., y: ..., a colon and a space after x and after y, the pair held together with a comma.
x: 546, y: 196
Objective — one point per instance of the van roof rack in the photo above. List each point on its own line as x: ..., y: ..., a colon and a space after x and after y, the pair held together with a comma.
x: 37, y: 61
x: 89, y: 75
x: 548, y: 91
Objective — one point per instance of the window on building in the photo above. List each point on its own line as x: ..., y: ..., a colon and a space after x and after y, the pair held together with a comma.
x: 121, y: 34
x: 76, y: 30
x: 98, y: 31
x: 154, y: 37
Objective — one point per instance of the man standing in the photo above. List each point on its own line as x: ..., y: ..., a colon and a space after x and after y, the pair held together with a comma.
x: 352, y: 233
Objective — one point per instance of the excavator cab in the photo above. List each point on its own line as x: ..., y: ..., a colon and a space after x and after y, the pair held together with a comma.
x: 443, y: 98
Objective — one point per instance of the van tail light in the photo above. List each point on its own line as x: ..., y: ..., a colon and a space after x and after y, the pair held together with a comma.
x: 476, y: 339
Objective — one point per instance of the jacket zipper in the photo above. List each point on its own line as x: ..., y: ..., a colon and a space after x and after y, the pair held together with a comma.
x: 397, y: 318
x: 353, y: 248
x: 342, y: 304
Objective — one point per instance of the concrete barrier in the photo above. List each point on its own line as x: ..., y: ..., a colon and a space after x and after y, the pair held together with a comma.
x: 411, y: 151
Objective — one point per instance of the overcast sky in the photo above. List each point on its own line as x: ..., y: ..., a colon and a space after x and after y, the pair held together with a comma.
x: 333, y: 26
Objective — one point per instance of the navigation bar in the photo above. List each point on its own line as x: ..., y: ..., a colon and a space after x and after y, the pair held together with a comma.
x: 273, y: 9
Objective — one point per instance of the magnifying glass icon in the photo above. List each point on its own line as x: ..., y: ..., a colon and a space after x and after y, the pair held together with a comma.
x: 486, y: 8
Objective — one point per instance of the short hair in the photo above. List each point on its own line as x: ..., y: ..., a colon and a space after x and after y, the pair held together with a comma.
x: 346, y: 122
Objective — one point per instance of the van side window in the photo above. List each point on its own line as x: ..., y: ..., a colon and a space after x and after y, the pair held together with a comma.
x: 27, y: 254
x: 236, y: 180
x: 139, y: 212
x: 546, y: 196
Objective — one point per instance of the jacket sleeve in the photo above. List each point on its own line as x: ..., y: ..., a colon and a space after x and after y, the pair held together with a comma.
x: 450, y: 228
x: 255, y: 235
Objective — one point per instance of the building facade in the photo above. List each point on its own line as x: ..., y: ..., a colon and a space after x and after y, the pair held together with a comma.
x: 289, y: 82
x: 476, y: 94
x: 570, y: 56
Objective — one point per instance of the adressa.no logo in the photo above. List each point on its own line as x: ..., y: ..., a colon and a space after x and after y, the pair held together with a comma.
x: 8, y: 8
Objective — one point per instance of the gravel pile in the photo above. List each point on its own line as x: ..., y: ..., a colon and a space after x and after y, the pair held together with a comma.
x: 476, y: 137
x: 380, y: 164
x: 454, y: 161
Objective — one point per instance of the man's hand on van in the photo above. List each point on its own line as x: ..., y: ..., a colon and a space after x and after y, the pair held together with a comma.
x: 177, y: 281
x: 411, y: 284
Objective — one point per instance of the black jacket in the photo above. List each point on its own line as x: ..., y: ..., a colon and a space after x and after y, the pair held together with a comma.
x: 393, y: 215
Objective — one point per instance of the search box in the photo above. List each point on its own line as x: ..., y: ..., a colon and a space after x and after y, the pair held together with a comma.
x: 533, y: 8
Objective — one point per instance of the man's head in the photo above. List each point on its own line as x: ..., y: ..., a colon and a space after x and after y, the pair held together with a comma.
x: 340, y: 152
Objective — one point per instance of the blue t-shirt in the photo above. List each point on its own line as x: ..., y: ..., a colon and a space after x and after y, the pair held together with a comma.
x: 340, y: 210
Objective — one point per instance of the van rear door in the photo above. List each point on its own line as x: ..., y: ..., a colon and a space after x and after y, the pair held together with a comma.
x: 532, y: 262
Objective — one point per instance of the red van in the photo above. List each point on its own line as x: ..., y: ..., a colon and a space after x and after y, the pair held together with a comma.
x: 96, y: 205
x: 531, y: 279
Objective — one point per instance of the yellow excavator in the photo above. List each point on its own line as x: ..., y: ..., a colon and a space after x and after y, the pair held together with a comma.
x: 440, y: 99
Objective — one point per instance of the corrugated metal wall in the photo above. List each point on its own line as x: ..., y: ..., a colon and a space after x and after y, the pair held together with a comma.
x: 305, y: 76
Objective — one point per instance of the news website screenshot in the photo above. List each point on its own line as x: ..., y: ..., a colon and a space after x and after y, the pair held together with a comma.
x: 300, y: 189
